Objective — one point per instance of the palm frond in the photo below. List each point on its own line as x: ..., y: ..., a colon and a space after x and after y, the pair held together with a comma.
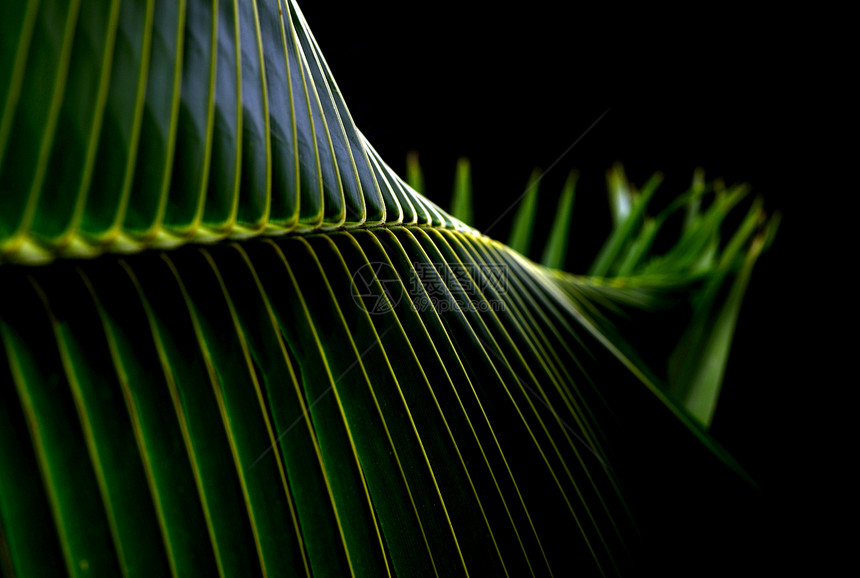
x: 251, y: 348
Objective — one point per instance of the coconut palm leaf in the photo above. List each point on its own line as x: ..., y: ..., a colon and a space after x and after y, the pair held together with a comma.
x: 234, y: 342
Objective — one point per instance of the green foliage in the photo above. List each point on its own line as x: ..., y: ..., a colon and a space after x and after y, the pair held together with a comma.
x: 721, y: 271
x: 461, y: 199
x: 520, y: 239
x: 414, y: 174
x: 286, y: 360
x: 556, y: 246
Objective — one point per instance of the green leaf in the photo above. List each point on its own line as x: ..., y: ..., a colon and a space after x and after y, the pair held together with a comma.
x: 35, y: 123
x: 697, y: 365
x: 628, y: 215
x: 555, y: 251
x: 288, y: 361
x: 461, y: 199
x: 144, y: 213
x: 520, y: 238
x: 113, y: 173
x: 621, y: 197
x: 16, y: 33
x: 67, y: 179
x: 414, y: 174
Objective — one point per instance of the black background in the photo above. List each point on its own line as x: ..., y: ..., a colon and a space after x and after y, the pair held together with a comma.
x: 749, y: 97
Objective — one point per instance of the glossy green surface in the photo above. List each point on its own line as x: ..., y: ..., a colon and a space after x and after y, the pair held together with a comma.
x: 234, y: 342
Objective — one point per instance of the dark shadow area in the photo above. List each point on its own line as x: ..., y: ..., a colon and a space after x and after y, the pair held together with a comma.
x: 748, y: 98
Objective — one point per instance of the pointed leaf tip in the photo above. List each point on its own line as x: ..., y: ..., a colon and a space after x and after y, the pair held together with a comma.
x: 555, y: 252
x: 461, y: 201
x: 771, y: 228
x: 697, y: 188
x: 628, y: 222
x: 414, y: 174
x: 524, y: 221
x: 620, y: 196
